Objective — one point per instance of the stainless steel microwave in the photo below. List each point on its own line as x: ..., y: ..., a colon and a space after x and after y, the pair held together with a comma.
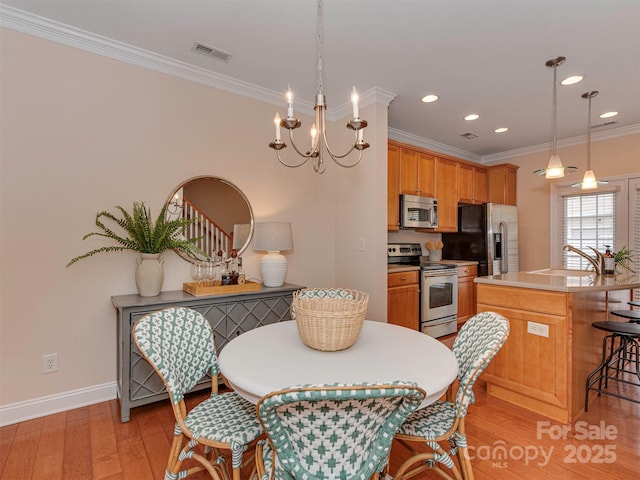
x: 418, y: 212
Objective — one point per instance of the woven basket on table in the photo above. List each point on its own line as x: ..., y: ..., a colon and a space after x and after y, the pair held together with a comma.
x: 329, y: 319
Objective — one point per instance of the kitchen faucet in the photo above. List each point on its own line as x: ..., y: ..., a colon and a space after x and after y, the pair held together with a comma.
x: 598, y: 262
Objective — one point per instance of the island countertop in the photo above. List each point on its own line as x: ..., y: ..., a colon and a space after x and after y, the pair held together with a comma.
x: 583, y: 282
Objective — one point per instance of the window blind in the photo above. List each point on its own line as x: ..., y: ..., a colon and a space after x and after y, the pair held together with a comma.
x: 588, y: 220
x: 635, y: 237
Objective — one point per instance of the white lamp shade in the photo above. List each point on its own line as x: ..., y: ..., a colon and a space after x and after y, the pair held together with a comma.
x: 273, y: 237
x: 589, y: 180
x: 555, y: 169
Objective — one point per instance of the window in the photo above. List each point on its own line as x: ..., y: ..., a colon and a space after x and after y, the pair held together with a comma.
x: 588, y: 221
x: 634, y: 226
x: 590, y: 218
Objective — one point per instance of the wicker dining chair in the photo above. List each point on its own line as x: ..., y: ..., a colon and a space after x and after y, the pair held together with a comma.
x: 341, y: 432
x: 178, y: 343
x: 478, y: 341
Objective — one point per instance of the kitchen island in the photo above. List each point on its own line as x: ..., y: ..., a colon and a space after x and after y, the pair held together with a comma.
x: 552, y: 346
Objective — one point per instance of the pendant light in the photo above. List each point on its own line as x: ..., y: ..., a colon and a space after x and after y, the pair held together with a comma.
x: 589, y: 180
x: 555, y: 168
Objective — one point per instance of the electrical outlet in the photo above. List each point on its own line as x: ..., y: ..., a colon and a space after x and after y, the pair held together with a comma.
x: 50, y: 363
x: 539, y: 329
x: 361, y: 245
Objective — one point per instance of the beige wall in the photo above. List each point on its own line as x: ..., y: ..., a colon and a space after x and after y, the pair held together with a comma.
x: 609, y: 158
x: 82, y: 133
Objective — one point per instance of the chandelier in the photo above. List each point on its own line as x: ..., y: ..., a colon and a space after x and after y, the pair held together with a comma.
x: 319, y: 143
x: 555, y: 168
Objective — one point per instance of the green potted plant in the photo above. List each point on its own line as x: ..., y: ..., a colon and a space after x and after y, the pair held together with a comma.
x: 148, y: 237
x: 624, y: 258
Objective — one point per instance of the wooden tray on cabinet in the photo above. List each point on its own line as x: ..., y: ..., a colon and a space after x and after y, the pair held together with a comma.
x: 198, y: 290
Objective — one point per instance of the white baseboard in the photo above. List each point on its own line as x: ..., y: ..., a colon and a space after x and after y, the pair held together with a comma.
x: 60, y: 402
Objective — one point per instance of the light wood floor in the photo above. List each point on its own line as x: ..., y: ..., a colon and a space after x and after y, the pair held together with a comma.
x: 91, y: 443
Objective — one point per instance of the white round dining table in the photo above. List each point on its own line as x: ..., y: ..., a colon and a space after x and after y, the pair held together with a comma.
x: 273, y: 357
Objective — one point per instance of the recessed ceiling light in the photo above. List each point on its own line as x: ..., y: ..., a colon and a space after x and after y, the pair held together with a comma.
x: 429, y: 98
x: 608, y: 114
x: 571, y: 80
x: 472, y: 116
x: 501, y: 130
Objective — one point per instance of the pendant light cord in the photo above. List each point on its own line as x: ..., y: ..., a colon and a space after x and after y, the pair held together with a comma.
x: 589, y: 135
x: 555, y: 111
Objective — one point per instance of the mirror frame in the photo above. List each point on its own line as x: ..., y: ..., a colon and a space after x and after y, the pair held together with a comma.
x: 171, y: 214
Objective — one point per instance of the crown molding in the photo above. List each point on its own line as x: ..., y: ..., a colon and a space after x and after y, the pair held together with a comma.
x: 57, y: 32
x: 432, y: 145
x: 373, y: 96
x: 25, y: 22
x: 568, y: 142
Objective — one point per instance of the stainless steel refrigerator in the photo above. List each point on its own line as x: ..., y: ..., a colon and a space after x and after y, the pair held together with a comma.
x: 487, y: 234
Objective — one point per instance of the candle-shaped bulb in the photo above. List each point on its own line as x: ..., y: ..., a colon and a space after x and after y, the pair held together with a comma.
x: 314, y: 134
x: 276, y: 121
x: 354, y: 99
x: 289, y: 103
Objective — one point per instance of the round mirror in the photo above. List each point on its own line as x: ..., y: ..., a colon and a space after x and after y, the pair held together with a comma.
x: 221, y: 214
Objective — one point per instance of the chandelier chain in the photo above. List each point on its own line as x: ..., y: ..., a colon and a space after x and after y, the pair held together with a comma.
x: 319, y: 25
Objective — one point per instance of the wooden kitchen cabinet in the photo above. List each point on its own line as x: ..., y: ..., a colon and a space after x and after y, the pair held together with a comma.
x: 393, y: 187
x: 447, y: 194
x: 533, y: 370
x: 472, y: 184
x: 403, y: 299
x: 466, y: 293
x: 416, y: 173
x: 480, y: 185
x: 502, y: 183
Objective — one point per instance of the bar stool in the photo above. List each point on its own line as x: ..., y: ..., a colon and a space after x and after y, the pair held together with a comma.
x: 632, y: 315
x: 615, y: 358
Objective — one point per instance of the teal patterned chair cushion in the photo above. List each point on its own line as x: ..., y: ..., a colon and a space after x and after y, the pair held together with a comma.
x: 227, y: 418
x: 322, y: 293
x: 431, y: 422
x: 178, y: 343
x: 334, y: 431
x: 477, y: 342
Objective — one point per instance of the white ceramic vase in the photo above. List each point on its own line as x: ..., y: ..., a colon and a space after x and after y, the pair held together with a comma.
x: 149, y: 274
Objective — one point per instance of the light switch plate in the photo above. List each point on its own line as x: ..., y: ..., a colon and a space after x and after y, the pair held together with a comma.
x: 539, y: 329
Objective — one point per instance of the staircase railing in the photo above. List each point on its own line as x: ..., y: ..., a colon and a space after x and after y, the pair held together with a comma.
x: 212, y: 237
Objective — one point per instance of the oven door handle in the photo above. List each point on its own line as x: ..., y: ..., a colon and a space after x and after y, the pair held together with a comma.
x: 439, y: 275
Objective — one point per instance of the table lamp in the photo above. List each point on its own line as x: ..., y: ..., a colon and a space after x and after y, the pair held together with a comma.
x: 273, y: 237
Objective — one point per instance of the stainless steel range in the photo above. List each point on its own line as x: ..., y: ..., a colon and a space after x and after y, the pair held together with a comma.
x: 438, y: 288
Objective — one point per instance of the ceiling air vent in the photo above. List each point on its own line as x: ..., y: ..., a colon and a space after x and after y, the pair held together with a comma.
x: 605, y: 124
x: 469, y: 135
x: 211, y: 52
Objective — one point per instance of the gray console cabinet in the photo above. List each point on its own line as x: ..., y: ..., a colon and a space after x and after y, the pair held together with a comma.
x: 229, y: 316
